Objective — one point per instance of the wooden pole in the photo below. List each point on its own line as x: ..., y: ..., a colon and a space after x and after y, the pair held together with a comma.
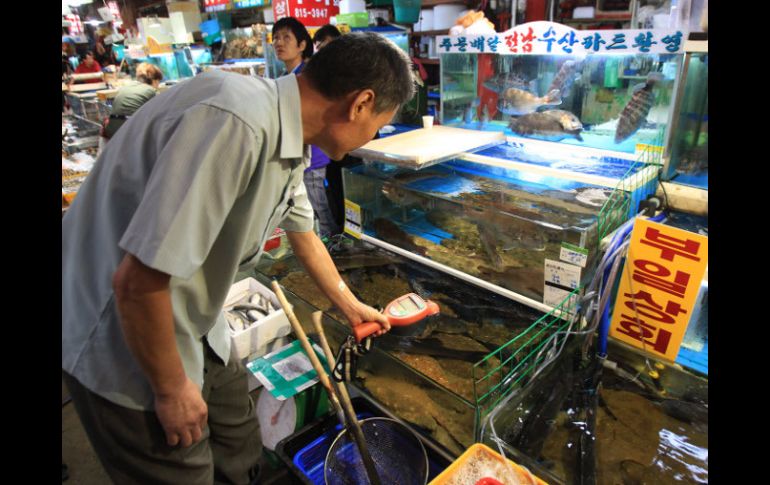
x: 352, y: 423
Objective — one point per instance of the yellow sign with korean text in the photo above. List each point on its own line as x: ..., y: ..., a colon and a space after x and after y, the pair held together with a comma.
x: 353, y: 219
x: 658, y: 288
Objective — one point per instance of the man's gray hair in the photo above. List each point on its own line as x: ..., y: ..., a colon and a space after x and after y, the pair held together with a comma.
x: 363, y: 60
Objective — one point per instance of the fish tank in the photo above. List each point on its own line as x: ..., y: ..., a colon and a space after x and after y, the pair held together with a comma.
x: 501, y: 225
x: 441, y: 375
x: 245, y: 43
x: 607, y: 421
x: 688, y: 157
x: 609, y: 90
x: 179, y: 64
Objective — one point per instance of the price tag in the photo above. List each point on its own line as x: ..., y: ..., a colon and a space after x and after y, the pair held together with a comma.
x: 560, y: 280
x: 353, y: 219
x: 573, y: 254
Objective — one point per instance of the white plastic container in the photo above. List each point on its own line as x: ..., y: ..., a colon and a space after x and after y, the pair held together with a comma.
x: 444, y: 16
x: 352, y: 6
x: 375, y: 13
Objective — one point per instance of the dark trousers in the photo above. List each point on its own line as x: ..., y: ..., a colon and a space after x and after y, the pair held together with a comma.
x: 334, y: 190
x: 131, y: 445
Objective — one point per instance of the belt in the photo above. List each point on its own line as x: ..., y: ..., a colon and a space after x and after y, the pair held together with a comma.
x: 118, y: 117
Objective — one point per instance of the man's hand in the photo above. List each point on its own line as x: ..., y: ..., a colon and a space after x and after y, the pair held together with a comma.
x: 143, y: 299
x: 182, y: 414
x: 364, y: 313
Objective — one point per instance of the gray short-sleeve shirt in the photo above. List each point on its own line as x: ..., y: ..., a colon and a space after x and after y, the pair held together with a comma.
x: 192, y: 185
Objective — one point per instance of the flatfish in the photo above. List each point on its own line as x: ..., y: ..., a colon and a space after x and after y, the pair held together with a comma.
x: 634, y: 114
x: 548, y: 126
x: 390, y: 232
x: 517, y: 102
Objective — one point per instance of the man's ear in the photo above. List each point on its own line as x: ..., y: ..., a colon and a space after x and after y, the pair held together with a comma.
x: 363, y: 102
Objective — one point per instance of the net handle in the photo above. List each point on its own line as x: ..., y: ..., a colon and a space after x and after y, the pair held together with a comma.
x: 347, y: 406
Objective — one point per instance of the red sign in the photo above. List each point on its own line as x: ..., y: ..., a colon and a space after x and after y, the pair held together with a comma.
x: 312, y: 13
x: 115, y: 11
x: 76, y: 28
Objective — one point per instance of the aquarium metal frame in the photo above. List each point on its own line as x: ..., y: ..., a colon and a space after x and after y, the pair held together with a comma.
x: 511, y: 295
x: 516, y: 376
x: 691, y: 48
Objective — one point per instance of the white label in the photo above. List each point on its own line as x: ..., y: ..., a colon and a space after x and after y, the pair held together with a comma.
x: 294, y: 366
x: 553, y: 296
x: 265, y: 381
x: 574, y: 255
x: 353, y: 219
x: 562, y: 274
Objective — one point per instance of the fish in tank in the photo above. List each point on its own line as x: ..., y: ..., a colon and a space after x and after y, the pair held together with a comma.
x: 494, y: 223
x: 613, y: 101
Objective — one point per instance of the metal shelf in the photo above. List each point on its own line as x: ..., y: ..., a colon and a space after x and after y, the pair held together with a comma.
x: 594, y: 20
x: 433, y: 3
x: 427, y: 33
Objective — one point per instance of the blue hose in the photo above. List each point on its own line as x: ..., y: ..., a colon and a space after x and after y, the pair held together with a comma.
x: 617, y: 240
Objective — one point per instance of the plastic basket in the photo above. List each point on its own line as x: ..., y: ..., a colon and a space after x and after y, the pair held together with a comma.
x: 407, y: 11
x: 473, y: 453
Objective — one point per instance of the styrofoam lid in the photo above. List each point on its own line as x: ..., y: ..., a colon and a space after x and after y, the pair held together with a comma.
x: 444, y: 16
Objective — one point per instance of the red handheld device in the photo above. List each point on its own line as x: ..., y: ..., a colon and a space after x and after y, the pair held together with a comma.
x: 405, y: 310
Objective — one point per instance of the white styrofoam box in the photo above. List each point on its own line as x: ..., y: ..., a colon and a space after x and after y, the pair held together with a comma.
x: 268, y: 14
x: 583, y: 13
x: 352, y: 6
x: 444, y: 16
x: 426, y: 19
x: 250, y: 341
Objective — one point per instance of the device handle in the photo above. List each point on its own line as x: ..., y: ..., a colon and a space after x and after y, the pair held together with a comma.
x: 433, y: 307
x: 364, y: 330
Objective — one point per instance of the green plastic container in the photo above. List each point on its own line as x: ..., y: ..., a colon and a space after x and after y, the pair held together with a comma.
x: 407, y: 11
x: 381, y: 3
x: 356, y: 19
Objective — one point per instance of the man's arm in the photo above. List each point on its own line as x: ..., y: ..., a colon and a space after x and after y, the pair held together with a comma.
x: 144, y: 303
x: 317, y: 262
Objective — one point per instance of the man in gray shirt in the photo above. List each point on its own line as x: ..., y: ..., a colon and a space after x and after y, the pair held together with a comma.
x: 182, y: 198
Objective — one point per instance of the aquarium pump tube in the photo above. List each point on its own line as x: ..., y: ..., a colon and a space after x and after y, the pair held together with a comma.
x: 604, y: 269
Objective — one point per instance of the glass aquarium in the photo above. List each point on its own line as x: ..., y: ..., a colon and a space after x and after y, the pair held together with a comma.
x: 607, y: 90
x: 439, y: 374
x: 607, y: 421
x: 689, y: 161
x: 496, y: 223
x: 245, y: 43
x: 179, y: 64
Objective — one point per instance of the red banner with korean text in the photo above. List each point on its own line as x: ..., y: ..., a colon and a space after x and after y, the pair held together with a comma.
x: 659, y: 285
x: 312, y: 13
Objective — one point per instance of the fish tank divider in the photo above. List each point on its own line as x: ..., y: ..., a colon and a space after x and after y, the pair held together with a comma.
x: 638, y: 183
x: 512, y: 379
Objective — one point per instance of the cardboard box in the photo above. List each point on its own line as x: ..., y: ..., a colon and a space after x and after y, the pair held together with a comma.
x: 255, y: 340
